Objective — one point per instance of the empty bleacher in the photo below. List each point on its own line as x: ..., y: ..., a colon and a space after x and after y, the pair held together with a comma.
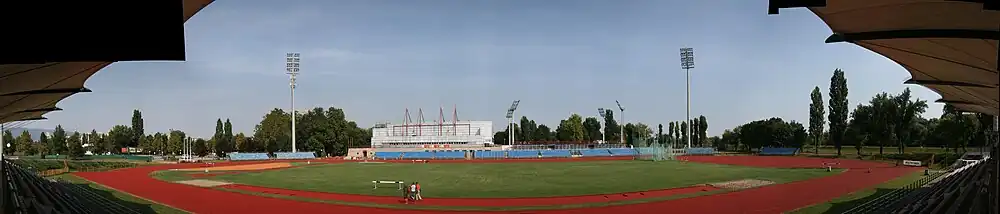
x: 778, y: 151
x: 25, y: 192
x: 966, y: 191
x: 556, y: 153
x: 700, y: 151
x: 522, y: 154
x: 417, y: 155
x: 247, y: 156
x: 388, y: 155
x: 594, y: 152
x: 449, y: 155
x: 622, y: 152
x: 488, y: 154
x: 294, y: 155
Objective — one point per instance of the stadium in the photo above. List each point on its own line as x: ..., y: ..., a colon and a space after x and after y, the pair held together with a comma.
x: 461, y: 170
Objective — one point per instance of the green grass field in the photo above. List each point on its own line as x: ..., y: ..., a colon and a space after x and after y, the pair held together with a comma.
x: 495, y: 180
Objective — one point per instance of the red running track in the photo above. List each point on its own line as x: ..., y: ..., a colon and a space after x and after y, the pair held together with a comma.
x: 476, y: 202
x: 768, y: 199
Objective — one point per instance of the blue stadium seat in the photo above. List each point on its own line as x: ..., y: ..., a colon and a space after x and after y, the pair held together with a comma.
x: 700, y: 151
x: 522, y: 154
x: 622, y: 152
x: 418, y: 155
x: 489, y: 154
x: 294, y: 155
x: 247, y: 156
x: 558, y: 153
x: 594, y: 152
x: 388, y: 155
x: 449, y: 155
x: 779, y: 151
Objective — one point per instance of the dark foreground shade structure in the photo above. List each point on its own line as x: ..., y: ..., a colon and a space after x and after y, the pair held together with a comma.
x: 948, y: 46
x: 29, y: 91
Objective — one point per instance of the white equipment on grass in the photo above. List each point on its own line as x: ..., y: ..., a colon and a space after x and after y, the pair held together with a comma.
x: 399, y: 184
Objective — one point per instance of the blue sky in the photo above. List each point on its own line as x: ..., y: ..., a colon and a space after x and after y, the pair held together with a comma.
x: 374, y: 58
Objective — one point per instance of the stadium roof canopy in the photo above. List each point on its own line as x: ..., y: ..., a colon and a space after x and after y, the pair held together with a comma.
x: 29, y: 91
x: 949, y: 46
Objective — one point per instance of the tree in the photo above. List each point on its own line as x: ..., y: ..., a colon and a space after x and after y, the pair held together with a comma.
x: 137, y: 129
x: 42, y: 147
x: 199, y: 147
x: 240, y: 142
x: 677, y: 134
x: 57, y: 145
x: 858, y: 132
x: 693, y: 129
x: 228, y: 135
x: 24, y: 139
x: 684, y: 132
x: 838, y: 108
x: 816, y: 122
x: 274, y: 131
x: 703, y: 129
x: 611, y: 127
x: 527, y: 129
x: 909, y: 111
x: 544, y: 133
x: 659, y: 134
x: 670, y: 134
x: 8, y: 138
x: 592, y: 128
x: 120, y: 137
x: 75, y: 146
x: 219, y: 138
x: 571, y: 129
x: 957, y: 129
x: 175, y: 141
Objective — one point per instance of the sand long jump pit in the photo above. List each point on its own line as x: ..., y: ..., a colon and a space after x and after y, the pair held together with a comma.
x: 247, y: 167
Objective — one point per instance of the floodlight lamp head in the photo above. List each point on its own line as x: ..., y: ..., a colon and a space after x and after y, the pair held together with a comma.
x: 687, y: 58
x: 292, y: 63
x: 619, y: 106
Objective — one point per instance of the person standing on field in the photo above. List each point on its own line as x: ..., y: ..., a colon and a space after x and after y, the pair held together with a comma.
x: 413, y: 191
x: 418, y: 197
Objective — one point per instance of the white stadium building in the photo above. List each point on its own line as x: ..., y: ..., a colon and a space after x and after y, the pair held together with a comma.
x: 437, y: 135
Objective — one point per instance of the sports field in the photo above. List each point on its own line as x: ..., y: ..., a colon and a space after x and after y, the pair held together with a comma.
x: 504, y: 180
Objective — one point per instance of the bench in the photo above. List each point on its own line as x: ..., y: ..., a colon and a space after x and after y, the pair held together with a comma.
x: 399, y: 184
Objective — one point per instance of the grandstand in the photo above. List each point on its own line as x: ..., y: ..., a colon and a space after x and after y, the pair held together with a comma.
x: 27, y: 192
x: 236, y: 156
x: 439, y: 135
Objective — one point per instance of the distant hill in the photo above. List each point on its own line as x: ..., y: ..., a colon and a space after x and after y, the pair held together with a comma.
x: 35, y: 133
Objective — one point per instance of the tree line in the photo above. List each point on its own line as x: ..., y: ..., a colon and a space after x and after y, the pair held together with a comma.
x: 887, y: 120
x: 326, y: 131
x: 577, y: 129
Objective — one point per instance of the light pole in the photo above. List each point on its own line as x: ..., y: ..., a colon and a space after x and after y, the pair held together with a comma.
x: 510, y: 121
x: 601, y: 112
x: 622, y: 125
x: 687, y: 63
x: 292, y: 69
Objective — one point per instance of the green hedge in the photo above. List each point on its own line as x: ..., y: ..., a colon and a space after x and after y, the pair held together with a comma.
x: 99, y: 157
x: 42, y: 165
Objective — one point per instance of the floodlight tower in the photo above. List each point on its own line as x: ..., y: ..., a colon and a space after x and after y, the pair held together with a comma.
x: 687, y: 63
x: 622, y: 125
x: 292, y: 69
x: 602, y: 113
x: 510, y: 121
